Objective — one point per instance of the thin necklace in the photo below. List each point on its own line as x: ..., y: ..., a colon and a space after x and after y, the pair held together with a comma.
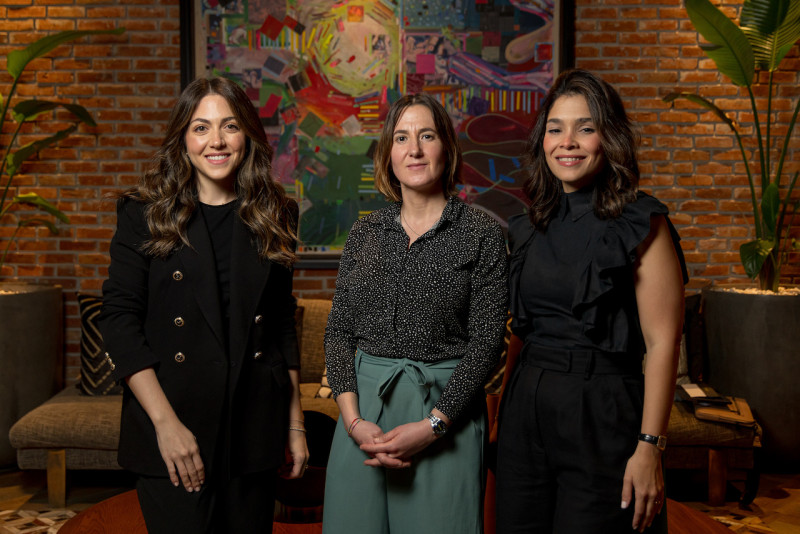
x: 409, y: 226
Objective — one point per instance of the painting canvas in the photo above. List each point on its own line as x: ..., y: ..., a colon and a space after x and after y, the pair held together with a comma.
x: 323, y: 74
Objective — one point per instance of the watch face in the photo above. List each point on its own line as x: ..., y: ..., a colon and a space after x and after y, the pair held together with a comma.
x: 439, y: 428
x: 662, y: 442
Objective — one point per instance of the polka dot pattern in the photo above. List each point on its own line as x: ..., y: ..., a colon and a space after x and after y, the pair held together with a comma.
x: 443, y: 297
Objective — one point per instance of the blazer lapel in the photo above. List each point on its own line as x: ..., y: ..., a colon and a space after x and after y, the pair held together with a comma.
x: 198, y: 260
x: 249, y: 275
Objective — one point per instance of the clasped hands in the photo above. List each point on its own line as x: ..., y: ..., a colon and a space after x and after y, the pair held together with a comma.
x: 394, y: 448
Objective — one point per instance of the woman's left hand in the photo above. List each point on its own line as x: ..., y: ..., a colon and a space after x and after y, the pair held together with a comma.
x: 401, y: 442
x: 296, y: 455
x: 644, y: 483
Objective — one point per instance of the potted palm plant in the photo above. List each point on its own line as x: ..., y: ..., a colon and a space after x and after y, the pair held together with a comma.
x: 30, y: 332
x: 753, y: 336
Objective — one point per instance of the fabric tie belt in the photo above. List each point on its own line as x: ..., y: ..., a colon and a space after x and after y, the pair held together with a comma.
x: 586, y: 362
x: 423, y: 375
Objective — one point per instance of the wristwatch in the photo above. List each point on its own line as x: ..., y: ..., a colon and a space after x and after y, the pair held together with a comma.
x: 439, y: 427
x: 659, y: 441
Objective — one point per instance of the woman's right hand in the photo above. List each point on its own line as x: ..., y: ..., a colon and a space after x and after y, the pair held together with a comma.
x: 181, y: 454
x: 367, y: 432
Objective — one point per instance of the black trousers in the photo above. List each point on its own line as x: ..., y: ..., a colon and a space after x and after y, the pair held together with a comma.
x: 568, y: 425
x: 241, y: 504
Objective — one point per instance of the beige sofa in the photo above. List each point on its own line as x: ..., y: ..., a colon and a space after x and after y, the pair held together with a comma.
x: 76, y: 431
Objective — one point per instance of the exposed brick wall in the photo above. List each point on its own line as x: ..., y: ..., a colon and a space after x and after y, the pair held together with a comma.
x: 646, y: 48
x: 688, y: 158
x: 128, y: 82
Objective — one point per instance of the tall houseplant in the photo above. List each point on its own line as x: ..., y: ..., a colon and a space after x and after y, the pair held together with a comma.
x: 31, y: 333
x: 27, y: 111
x: 767, y: 30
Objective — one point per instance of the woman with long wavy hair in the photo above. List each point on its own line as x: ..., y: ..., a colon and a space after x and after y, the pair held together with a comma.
x: 596, y: 280
x: 199, y: 322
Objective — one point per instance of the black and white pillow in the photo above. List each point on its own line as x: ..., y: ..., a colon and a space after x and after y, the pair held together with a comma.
x: 95, y: 368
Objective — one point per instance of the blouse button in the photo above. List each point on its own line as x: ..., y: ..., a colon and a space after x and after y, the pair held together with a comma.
x: 259, y: 319
x: 179, y: 321
x: 258, y: 355
x: 177, y: 275
x: 179, y: 357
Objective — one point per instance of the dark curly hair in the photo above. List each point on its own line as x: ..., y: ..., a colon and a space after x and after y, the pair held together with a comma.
x: 616, y: 184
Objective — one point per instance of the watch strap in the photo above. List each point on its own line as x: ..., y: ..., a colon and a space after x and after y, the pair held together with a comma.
x: 660, y: 442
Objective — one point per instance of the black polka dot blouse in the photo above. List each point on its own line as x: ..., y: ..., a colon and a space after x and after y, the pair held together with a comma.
x: 443, y: 297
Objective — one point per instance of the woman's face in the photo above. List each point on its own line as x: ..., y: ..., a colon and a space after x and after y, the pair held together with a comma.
x: 418, y: 156
x: 571, y: 143
x: 215, y: 144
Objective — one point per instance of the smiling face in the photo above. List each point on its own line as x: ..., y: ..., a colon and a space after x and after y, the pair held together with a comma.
x: 572, y: 144
x: 418, y: 155
x: 215, y: 145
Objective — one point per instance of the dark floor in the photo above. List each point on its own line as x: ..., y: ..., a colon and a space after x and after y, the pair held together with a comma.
x: 776, y: 508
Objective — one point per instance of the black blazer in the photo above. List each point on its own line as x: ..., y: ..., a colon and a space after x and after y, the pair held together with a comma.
x: 165, y: 313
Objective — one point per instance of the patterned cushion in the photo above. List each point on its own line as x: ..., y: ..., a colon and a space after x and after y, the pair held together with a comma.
x: 95, y: 370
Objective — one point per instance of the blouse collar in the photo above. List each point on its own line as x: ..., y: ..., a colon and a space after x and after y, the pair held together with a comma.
x: 577, y: 204
x: 450, y: 213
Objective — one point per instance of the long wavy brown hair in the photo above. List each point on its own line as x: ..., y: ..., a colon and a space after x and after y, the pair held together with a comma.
x: 385, y: 180
x: 616, y: 184
x: 169, y: 189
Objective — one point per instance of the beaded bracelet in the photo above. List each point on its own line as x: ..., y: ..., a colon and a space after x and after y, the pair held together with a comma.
x: 353, y: 425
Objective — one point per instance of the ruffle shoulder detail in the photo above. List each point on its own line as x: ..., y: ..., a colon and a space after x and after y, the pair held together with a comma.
x: 615, y: 250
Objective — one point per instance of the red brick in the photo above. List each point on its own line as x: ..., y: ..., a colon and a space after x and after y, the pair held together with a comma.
x: 35, y: 12
x: 72, y: 12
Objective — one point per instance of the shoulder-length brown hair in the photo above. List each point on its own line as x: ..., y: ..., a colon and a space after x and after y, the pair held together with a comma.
x: 616, y: 184
x: 169, y: 189
x: 385, y: 180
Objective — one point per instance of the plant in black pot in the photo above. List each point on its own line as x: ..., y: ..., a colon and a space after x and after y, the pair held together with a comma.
x: 30, y: 332
x: 752, y: 335
x: 767, y: 31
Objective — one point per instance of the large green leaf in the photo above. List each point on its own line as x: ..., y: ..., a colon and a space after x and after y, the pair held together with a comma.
x: 729, y: 47
x: 770, y: 207
x: 697, y: 99
x: 772, y: 27
x: 28, y: 110
x: 33, y: 199
x: 18, y: 59
x: 14, y: 161
x: 753, y: 253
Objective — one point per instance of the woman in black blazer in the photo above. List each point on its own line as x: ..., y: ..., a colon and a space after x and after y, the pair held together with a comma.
x: 199, y: 321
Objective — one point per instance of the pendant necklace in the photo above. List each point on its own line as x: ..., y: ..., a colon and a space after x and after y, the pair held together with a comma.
x: 409, y: 226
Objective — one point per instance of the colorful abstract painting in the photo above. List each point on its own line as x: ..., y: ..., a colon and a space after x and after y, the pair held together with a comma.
x: 323, y: 73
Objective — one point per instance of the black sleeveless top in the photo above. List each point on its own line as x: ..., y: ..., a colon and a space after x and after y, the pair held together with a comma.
x: 572, y: 286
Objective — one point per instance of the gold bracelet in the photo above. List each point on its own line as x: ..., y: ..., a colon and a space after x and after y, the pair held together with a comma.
x: 297, y: 429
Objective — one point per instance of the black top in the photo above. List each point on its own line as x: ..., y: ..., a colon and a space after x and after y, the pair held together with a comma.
x: 219, y: 221
x: 443, y: 297
x: 572, y: 285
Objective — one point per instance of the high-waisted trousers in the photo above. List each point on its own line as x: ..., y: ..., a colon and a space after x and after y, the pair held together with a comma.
x: 442, y: 491
x: 569, y: 422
